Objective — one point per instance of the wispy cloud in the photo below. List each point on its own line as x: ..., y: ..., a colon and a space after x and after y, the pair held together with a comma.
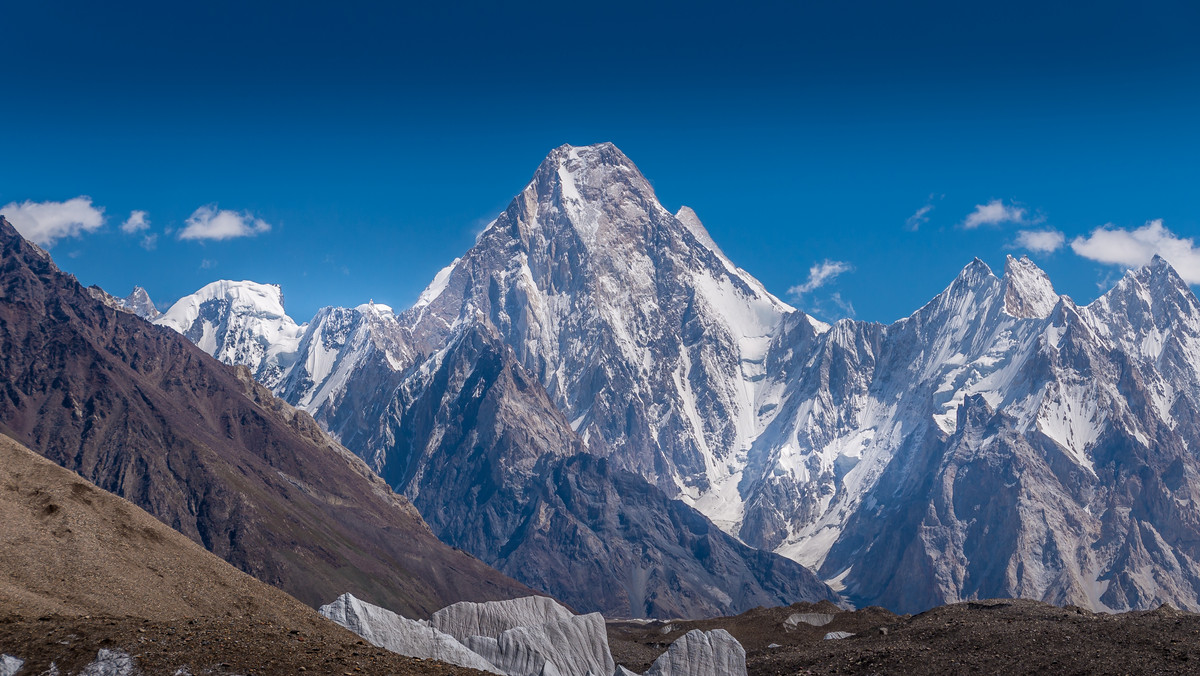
x: 1041, y: 241
x: 210, y: 223
x: 819, y: 275
x: 207, y: 264
x: 845, y: 306
x: 150, y: 241
x: 136, y: 222
x: 920, y: 217
x: 994, y: 213
x: 1132, y: 248
x: 48, y: 222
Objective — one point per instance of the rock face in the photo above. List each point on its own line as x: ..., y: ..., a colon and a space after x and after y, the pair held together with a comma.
x: 702, y: 653
x: 401, y: 635
x: 1000, y: 441
x: 642, y: 332
x: 498, y: 471
x: 1045, y: 455
x: 112, y: 575
x: 141, y: 412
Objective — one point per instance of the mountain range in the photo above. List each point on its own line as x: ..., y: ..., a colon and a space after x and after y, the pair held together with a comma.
x: 141, y: 412
x: 1000, y: 441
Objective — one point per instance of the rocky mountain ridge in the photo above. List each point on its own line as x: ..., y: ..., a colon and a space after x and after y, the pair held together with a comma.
x: 143, y: 413
x: 855, y: 448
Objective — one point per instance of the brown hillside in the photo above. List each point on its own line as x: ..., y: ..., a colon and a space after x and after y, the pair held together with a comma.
x: 82, y: 569
x: 141, y: 412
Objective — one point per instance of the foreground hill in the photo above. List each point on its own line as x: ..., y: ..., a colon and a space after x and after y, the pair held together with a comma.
x: 141, y: 412
x: 83, y: 570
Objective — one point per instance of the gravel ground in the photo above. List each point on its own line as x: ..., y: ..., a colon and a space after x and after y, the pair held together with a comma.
x: 202, y: 646
x: 986, y: 637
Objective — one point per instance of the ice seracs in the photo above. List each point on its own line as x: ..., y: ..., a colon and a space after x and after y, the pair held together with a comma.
x: 401, y: 635
x: 701, y: 653
x: 530, y: 636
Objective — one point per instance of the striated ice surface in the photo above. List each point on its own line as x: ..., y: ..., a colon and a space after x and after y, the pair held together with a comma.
x: 531, y: 635
x: 401, y: 635
x: 702, y: 653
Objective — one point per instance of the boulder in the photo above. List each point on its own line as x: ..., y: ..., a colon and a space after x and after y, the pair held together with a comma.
x: 814, y: 619
x: 10, y: 665
x: 110, y: 663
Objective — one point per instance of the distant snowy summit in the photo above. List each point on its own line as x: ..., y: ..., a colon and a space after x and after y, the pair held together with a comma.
x: 1000, y: 441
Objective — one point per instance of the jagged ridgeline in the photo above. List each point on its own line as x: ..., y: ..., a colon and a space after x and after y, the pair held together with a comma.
x: 594, y: 356
x: 141, y: 412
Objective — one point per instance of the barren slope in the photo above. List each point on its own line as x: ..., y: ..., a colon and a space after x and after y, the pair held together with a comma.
x: 141, y: 412
x: 82, y: 569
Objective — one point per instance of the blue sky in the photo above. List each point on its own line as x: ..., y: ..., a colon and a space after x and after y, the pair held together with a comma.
x: 359, y: 148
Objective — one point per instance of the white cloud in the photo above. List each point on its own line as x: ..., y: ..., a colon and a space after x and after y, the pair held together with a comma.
x: 48, y: 222
x: 136, y: 222
x: 1133, y: 248
x: 919, y: 218
x: 845, y: 306
x: 208, y: 222
x: 819, y: 275
x: 150, y: 241
x: 1042, y: 241
x: 994, y: 213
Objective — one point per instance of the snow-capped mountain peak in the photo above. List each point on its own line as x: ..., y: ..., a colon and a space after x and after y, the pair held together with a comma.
x: 238, y: 322
x: 592, y: 282
x: 138, y: 302
x: 1001, y: 440
x: 1028, y: 291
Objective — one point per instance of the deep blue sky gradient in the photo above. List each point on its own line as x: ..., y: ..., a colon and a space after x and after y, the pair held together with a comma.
x: 377, y: 138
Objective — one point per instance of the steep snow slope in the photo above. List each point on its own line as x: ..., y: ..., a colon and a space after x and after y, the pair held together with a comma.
x: 643, y: 332
x: 1080, y: 412
x: 238, y: 323
x: 797, y: 436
